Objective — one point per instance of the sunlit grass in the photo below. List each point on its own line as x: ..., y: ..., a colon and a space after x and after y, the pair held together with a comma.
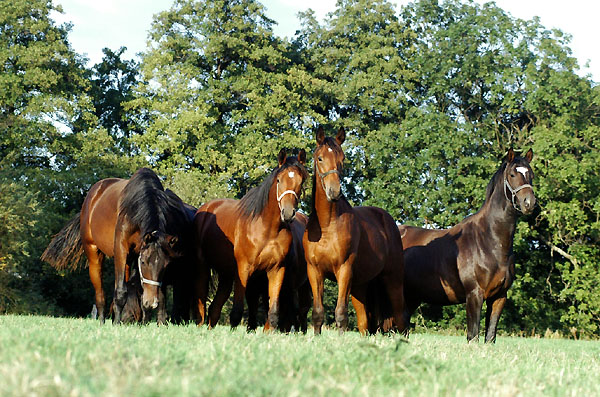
x: 79, y: 357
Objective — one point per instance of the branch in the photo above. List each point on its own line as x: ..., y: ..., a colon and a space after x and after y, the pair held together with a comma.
x: 562, y: 252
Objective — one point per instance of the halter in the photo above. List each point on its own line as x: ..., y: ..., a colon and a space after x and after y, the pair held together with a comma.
x: 280, y: 196
x: 145, y: 280
x: 514, y: 192
x: 324, y: 174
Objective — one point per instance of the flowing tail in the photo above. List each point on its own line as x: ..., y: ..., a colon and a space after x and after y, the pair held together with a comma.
x: 65, y: 251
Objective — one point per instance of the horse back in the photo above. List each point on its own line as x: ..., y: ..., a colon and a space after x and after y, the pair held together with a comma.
x: 99, y: 214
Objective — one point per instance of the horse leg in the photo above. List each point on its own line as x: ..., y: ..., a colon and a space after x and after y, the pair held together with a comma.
x: 95, y: 259
x: 221, y: 296
x: 359, y: 301
x: 344, y: 279
x: 275, y: 275
x: 493, y: 312
x: 315, y: 278
x: 252, y: 299
x: 304, y: 300
x: 239, y: 291
x: 474, y: 303
x: 161, y: 315
x: 200, y: 282
x: 120, y: 259
x: 395, y: 291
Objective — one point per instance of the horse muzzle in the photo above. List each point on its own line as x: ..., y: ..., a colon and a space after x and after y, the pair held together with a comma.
x: 149, y: 303
x: 288, y: 215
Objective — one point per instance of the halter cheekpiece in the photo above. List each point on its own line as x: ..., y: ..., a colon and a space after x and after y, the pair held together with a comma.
x: 145, y: 280
x: 514, y: 192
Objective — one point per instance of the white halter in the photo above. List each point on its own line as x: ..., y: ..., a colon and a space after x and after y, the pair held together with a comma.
x: 145, y: 280
x: 280, y: 196
x: 514, y: 192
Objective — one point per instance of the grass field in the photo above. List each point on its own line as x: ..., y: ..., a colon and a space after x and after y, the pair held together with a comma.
x: 42, y: 356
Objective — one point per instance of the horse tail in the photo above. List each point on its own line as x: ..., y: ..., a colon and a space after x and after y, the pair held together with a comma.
x: 65, y: 251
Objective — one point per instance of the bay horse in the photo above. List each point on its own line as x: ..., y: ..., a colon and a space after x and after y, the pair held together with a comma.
x: 472, y: 261
x: 135, y: 221
x: 236, y: 238
x: 357, y: 245
x: 294, y: 298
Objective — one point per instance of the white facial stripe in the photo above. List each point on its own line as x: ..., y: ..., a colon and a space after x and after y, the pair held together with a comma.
x: 523, y: 170
x: 291, y: 174
x: 330, y: 149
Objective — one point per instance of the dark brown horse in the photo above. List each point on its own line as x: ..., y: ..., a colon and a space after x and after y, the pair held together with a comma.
x: 356, y: 245
x: 135, y: 221
x: 236, y: 238
x: 295, y: 297
x: 472, y: 261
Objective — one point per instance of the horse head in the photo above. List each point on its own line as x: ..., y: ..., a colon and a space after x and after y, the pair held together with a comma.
x: 156, y: 252
x: 329, y: 163
x: 518, y: 177
x: 289, y: 178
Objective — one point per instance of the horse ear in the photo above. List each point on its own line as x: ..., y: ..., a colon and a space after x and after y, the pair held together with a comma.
x: 529, y: 155
x: 281, y: 157
x: 302, y: 156
x: 341, y: 136
x: 320, y: 135
x: 510, y: 156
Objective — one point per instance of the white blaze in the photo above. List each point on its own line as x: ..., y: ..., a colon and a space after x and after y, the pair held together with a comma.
x: 523, y: 170
x: 291, y: 174
x: 330, y: 149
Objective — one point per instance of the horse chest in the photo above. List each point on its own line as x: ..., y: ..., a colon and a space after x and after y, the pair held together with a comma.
x: 271, y: 252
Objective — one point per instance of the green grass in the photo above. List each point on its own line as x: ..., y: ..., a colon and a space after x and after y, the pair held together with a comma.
x: 78, y: 357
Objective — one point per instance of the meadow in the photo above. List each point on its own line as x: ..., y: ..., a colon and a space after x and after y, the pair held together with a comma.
x: 45, y: 356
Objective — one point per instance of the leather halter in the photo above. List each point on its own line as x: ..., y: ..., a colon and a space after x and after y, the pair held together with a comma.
x: 514, y: 192
x: 324, y: 174
x: 145, y: 280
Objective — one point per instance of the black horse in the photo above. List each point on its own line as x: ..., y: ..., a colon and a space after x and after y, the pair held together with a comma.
x: 472, y: 261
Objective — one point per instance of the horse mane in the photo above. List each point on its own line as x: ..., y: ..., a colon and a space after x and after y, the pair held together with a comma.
x: 254, y: 202
x: 146, y: 204
x: 489, y: 190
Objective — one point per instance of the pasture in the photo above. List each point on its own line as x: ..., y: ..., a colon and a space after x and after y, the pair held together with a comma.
x: 43, y: 356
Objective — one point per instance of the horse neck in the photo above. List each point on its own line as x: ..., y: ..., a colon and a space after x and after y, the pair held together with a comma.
x: 500, y: 215
x: 270, y: 216
x: 325, y: 210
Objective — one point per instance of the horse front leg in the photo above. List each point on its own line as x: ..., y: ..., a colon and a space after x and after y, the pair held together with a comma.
x: 120, y: 259
x: 161, y: 315
x: 275, y: 276
x: 344, y: 279
x: 493, y: 312
x: 315, y: 278
x: 239, y: 291
x: 474, y: 304
x: 359, y: 301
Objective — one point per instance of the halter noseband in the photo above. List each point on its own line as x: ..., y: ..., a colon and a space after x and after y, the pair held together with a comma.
x: 514, y: 192
x: 280, y: 196
x: 324, y: 174
x: 145, y: 280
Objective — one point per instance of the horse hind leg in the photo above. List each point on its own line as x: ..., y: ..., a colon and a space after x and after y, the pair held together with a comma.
x: 95, y: 259
x: 493, y: 312
x: 221, y: 296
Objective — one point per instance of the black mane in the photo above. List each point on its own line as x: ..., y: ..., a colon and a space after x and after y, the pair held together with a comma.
x: 254, y: 202
x: 146, y: 204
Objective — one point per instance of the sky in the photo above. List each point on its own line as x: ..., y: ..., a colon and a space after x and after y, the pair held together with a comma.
x: 116, y: 23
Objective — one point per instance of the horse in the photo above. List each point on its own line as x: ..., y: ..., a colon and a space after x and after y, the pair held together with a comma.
x: 295, y: 297
x: 133, y: 220
x: 357, y: 245
x: 236, y: 238
x: 472, y: 261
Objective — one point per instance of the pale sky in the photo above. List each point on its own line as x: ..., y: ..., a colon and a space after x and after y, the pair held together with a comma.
x: 116, y: 23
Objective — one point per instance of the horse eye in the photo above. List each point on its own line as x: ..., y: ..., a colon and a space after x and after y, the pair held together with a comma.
x: 320, y: 158
x: 512, y: 175
x: 277, y: 180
